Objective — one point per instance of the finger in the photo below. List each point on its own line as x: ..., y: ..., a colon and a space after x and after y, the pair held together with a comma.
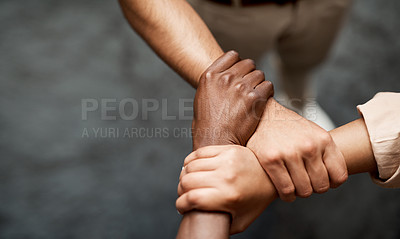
x: 335, y: 165
x: 205, y: 199
x: 265, y: 89
x: 202, y: 164
x: 196, y: 180
x: 224, y: 62
x: 243, y: 67
x: 205, y: 152
x: 317, y: 173
x: 299, y: 177
x: 254, y: 78
x: 281, y: 179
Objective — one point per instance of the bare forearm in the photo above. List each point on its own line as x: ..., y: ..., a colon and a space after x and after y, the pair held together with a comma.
x: 353, y: 141
x: 176, y: 33
x: 201, y: 225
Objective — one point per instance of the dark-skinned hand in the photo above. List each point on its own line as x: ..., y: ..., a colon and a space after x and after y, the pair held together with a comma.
x: 229, y: 102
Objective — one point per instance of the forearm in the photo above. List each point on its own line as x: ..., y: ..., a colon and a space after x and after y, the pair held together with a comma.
x: 353, y: 141
x: 200, y: 225
x: 176, y: 33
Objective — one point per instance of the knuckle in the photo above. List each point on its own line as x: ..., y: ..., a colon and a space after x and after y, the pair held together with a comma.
x: 193, y: 198
x: 199, y: 152
x: 272, y: 158
x: 287, y: 191
x: 188, y: 168
x: 269, y: 83
x: 230, y: 177
x: 184, y: 182
x: 226, y: 78
x: 259, y: 74
x: 291, y: 154
x: 305, y: 193
x: 250, y: 62
x: 309, y: 148
x: 252, y: 96
x: 208, y: 75
x: 322, y: 189
x: 270, y: 87
x: 179, y: 207
x: 273, y: 161
x: 233, y: 54
x: 240, y: 86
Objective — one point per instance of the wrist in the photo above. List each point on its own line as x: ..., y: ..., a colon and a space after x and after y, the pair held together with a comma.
x: 199, y: 143
x: 206, y: 136
x: 275, y: 112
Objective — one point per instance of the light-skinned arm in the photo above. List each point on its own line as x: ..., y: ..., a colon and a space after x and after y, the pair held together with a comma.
x: 230, y: 179
x: 176, y: 33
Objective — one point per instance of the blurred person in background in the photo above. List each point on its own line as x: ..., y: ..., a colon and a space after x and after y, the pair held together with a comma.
x: 300, y: 31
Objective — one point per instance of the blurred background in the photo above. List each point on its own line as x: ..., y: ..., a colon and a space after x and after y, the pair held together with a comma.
x: 58, y: 182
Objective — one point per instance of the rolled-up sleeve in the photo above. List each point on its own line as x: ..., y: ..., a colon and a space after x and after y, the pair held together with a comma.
x: 382, y: 118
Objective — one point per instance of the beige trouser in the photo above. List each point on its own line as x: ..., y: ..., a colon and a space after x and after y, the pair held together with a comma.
x: 302, y: 34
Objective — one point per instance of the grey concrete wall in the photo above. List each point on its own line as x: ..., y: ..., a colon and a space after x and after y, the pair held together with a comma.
x: 54, y: 183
